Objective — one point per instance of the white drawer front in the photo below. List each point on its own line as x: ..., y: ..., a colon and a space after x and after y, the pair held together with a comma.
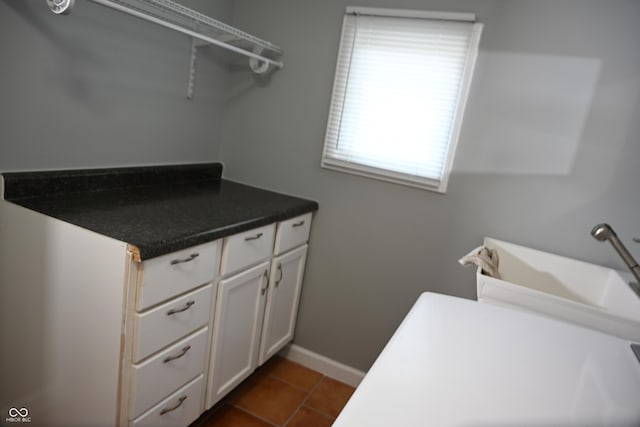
x: 245, y: 249
x: 157, y: 377
x: 292, y: 233
x: 175, y: 273
x: 178, y: 410
x: 173, y: 320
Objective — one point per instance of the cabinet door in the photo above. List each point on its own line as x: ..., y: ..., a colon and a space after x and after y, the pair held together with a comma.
x: 236, y: 330
x: 282, y: 302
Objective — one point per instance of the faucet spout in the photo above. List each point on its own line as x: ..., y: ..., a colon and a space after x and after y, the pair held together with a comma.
x: 604, y: 232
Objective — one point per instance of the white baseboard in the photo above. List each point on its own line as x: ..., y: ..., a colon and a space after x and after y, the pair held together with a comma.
x: 322, y: 364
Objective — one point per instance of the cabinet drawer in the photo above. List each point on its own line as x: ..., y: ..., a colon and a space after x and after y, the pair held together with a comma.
x: 175, y: 273
x: 178, y: 410
x: 168, y: 322
x: 157, y: 377
x: 292, y: 233
x: 246, y: 249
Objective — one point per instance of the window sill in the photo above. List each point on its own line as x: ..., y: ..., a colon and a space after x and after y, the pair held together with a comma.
x: 385, y: 175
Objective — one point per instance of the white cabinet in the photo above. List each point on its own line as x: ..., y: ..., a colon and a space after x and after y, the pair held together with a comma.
x: 61, y: 320
x: 282, y: 303
x: 257, y: 306
x: 171, y: 318
x: 144, y: 342
x: 237, y: 326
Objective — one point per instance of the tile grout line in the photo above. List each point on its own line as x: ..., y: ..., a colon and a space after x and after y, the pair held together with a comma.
x: 307, y: 396
x: 303, y: 401
x: 321, y: 412
x: 253, y: 415
x: 297, y: 387
x: 318, y: 410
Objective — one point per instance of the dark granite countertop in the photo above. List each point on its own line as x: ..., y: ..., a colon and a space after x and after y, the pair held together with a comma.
x: 157, y: 209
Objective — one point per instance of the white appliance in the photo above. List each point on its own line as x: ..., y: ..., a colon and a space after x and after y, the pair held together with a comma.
x: 456, y: 362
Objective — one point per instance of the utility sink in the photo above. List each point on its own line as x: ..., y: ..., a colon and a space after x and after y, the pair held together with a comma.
x: 586, y: 294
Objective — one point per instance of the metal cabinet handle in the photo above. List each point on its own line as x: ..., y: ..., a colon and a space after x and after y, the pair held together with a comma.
x: 266, y: 276
x: 184, y: 351
x: 257, y: 236
x: 180, y: 310
x: 180, y: 261
x: 173, y: 408
x: 636, y: 239
x: 298, y: 224
x: 279, y: 278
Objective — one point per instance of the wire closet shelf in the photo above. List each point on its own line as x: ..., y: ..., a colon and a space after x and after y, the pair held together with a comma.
x: 203, y: 29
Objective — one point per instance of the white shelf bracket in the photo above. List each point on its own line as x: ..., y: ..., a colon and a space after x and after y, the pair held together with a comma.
x: 192, y: 67
x: 258, y: 66
x: 60, y: 7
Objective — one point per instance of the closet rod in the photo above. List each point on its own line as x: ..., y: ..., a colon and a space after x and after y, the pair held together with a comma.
x: 188, y: 32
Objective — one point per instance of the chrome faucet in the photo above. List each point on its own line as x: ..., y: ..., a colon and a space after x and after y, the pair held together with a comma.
x: 604, y: 232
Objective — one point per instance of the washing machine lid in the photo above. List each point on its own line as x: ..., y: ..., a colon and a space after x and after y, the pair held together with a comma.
x: 456, y: 362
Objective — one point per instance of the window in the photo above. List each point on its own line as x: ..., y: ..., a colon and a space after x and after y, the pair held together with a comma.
x: 401, y: 82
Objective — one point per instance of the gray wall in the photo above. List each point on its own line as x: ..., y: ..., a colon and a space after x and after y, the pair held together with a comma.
x: 99, y: 88
x: 550, y: 146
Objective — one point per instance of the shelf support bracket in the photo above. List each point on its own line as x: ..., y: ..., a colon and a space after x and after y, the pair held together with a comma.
x: 192, y: 68
x: 60, y: 7
x: 256, y: 65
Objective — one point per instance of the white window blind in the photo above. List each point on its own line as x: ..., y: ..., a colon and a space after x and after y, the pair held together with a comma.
x: 401, y: 82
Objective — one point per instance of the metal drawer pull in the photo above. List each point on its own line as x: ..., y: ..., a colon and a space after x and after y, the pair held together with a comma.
x: 298, y: 224
x: 279, y: 278
x: 180, y: 310
x: 636, y: 239
x: 257, y: 236
x: 184, y: 351
x: 180, y: 261
x: 180, y: 402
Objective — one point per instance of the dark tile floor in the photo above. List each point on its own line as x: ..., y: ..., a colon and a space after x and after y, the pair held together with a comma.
x: 282, y: 393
